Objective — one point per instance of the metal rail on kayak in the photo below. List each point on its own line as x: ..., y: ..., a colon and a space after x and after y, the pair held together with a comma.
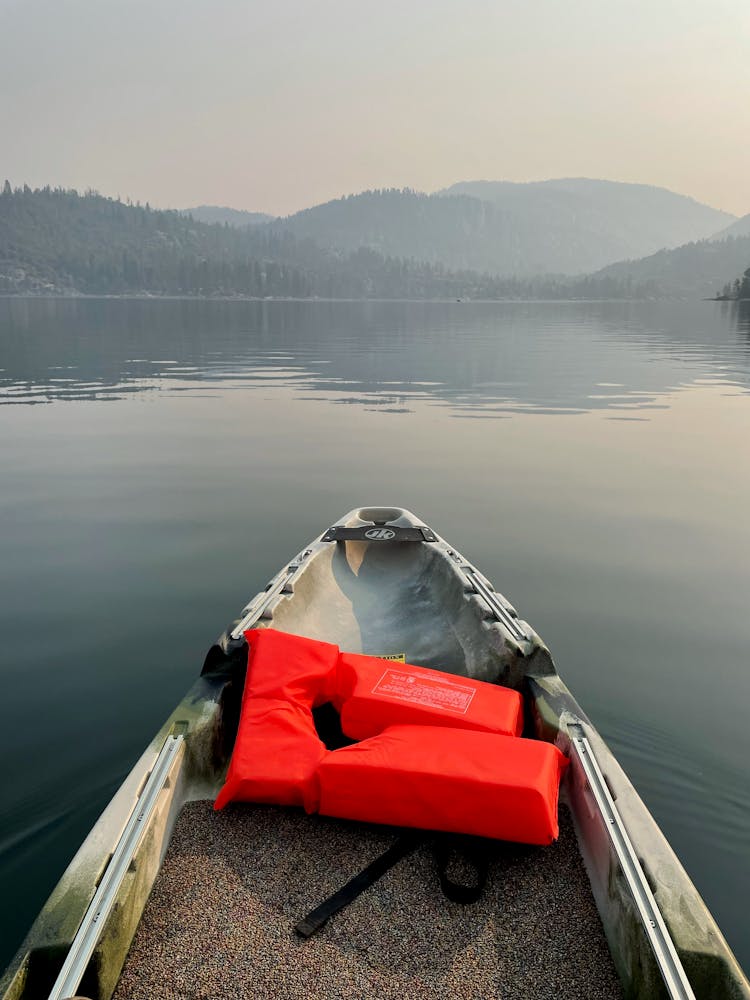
x: 84, y: 943
x: 491, y: 598
x: 670, y: 966
x: 257, y: 607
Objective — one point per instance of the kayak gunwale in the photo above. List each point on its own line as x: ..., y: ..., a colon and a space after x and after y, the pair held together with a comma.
x: 479, y: 641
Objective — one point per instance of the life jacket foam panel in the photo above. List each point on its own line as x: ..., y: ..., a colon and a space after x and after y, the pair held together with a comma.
x: 373, y: 694
x: 277, y: 749
x: 457, y: 780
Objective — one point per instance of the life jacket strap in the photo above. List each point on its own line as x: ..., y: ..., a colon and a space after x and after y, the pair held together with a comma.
x: 472, y: 851
x: 315, y: 919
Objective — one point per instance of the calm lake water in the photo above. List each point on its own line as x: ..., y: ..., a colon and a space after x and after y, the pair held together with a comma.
x: 161, y: 459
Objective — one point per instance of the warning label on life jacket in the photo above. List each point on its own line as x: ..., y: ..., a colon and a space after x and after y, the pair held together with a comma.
x: 396, y: 657
x: 420, y: 689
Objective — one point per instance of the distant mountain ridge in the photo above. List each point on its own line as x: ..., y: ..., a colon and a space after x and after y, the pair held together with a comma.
x: 55, y: 241
x: 642, y: 217
x: 231, y: 216
x: 564, y: 227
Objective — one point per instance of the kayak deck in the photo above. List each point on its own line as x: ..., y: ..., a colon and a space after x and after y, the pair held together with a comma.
x: 220, y: 918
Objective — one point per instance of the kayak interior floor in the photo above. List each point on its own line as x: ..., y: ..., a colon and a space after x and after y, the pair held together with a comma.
x: 220, y: 920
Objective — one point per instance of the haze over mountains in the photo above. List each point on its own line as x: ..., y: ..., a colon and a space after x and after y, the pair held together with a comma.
x: 565, y: 238
x: 54, y: 241
x: 551, y: 227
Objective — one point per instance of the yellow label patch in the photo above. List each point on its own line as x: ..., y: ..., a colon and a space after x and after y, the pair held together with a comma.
x: 396, y: 657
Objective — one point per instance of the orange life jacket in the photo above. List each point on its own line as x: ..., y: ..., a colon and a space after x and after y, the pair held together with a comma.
x: 437, y: 751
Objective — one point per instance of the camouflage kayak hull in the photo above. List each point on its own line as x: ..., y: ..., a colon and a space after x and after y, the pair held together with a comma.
x: 381, y: 582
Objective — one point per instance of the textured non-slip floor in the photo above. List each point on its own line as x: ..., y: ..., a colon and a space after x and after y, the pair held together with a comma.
x: 219, y: 922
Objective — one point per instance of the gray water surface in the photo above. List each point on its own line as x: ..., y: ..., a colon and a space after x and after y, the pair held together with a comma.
x: 159, y: 461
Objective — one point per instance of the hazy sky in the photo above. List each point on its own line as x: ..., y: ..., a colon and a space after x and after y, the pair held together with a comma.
x: 277, y: 106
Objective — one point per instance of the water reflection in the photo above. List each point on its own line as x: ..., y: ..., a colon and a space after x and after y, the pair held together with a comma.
x: 483, y: 360
x: 741, y: 311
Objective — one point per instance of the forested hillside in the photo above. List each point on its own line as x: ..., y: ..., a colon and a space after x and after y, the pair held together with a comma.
x: 57, y: 240
x: 459, y: 232
x: 697, y: 270
x: 739, y: 228
x: 232, y: 216
x: 526, y: 230
x: 737, y: 290
x: 54, y: 241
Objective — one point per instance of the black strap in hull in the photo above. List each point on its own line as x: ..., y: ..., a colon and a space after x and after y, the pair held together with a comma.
x: 473, y: 850
x: 317, y: 917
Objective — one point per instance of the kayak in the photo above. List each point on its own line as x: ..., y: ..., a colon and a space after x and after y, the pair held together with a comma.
x: 168, y: 896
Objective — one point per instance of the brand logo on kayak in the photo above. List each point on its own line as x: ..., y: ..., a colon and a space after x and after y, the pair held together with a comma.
x: 380, y: 534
